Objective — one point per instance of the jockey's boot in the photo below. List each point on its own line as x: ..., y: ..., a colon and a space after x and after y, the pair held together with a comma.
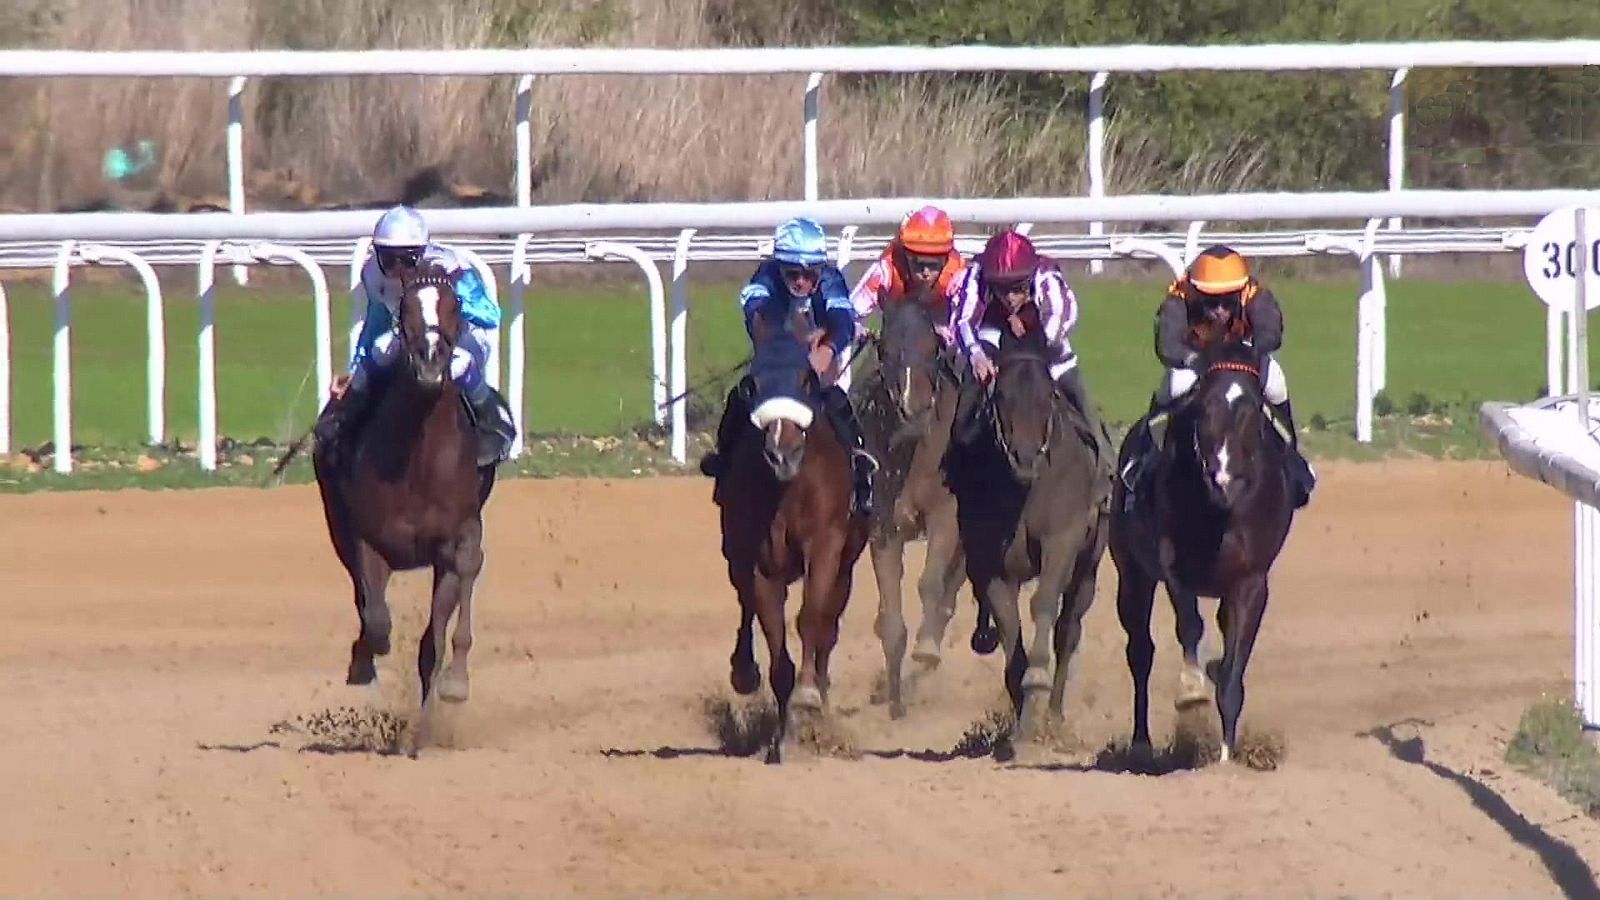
x: 1147, y: 445
x: 735, y: 413
x: 842, y: 416
x: 1071, y: 384
x: 969, y: 399
x: 1302, y: 478
x: 495, y: 425
x: 341, y: 417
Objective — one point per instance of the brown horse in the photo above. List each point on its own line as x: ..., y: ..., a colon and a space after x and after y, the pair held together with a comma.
x: 907, y: 412
x: 405, y: 492
x: 786, y: 516
x: 1211, y: 523
x: 1031, y: 505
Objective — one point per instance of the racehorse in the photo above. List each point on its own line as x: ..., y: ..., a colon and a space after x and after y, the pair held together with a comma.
x: 405, y: 492
x: 786, y: 516
x: 906, y: 416
x: 1031, y: 505
x: 1211, y: 522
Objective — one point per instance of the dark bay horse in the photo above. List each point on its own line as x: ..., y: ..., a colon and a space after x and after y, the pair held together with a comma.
x: 1211, y: 522
x: 906, y: 417
x: 786, y: 516
x: 406, y: 492
x: 1031, y: 505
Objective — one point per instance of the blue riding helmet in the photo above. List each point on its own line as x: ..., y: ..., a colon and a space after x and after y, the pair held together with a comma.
x: 800, y: 242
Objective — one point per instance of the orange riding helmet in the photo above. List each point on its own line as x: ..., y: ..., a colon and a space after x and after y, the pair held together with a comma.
x: 1217, y: 272
x: 928, y: 232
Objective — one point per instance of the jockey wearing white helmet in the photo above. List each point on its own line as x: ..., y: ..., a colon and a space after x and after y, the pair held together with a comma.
x: 400, y: 243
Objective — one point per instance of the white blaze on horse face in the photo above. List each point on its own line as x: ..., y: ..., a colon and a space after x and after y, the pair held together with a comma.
x: 428, y: 297
x: 1233, y: 393
x: 1222, y: 477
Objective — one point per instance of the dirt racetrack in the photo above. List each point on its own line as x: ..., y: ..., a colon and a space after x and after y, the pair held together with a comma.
x: 165, y: 650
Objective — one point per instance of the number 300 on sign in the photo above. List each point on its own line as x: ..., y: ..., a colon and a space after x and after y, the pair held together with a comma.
x: 1561, y: 260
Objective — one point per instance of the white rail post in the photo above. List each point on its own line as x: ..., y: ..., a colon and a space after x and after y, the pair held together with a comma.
x: 813, y: 108
x: 1369, y: 316
x: 524, y: 133
x: 61, y: 283
x: 658, y: 316
x: 1554, y: 346
x: 358, y: 294
x: 5, y: 373
x: 275, y: 253
x: 680, y: 346
x: 1191, y: 242
x: 516, y: 363
x: 241, y: 273
x: 207, y: 338
x: 1586, y: 521
x: 492, y: 285
x: 155, y: 332
x: 1397, y: 151
x: 1097, y: 151
x: 1376, y: 294
x: 847, y: 238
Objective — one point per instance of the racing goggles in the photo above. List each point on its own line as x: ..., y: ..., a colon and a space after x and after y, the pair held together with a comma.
x: 391, y: 259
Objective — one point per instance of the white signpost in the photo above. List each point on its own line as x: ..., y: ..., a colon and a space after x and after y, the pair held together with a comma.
x: 1561, y: 262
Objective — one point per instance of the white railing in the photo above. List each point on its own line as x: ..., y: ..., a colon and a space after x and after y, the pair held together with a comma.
x: 816, y: 63
x: 205, y: 240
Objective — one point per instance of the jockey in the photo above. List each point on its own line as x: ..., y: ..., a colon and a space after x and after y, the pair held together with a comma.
x: 400, y: 243
x: 1007, y: 276
x: 1218, y: 286
x: 799, y: 272
x: 923, y: 252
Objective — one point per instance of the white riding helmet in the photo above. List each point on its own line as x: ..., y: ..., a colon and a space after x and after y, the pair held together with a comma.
x: 399, y: 239
x: 401, y: 226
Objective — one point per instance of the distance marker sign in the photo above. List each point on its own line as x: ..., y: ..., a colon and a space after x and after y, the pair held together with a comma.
x: 1551, y: 260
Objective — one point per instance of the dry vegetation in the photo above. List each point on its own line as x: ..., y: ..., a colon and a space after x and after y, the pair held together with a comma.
x: 332, y: 141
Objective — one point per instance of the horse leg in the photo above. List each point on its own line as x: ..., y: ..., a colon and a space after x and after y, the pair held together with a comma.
x: 942, y: 572
x: 769, y: 594
x: 430, y: 650
x: 1136, y: 596
x: 1247, y: 602
x: 371, y: 576
x: 838, y: 598
x: 468, y: 562
x: 1045, y: 608
x: 821, y: 574
x: 888, y: 567
x: 744, y: 675
x: 1190, y: 628
x: 1076, y: 601
x: 1002, y: 597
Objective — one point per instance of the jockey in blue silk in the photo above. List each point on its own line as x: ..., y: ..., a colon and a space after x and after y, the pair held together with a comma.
x: 400, y: 243
x: 798, y: 272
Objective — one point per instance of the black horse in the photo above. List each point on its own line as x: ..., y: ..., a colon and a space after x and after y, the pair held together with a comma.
x: 1211, y: 520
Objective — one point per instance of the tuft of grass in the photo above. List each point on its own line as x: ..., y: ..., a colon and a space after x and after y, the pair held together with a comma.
x: 1550, y: 744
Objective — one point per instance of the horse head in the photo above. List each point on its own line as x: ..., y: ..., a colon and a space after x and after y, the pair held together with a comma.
x: 781, y: 406
x: 1022, y: 403
x: 911, y: 358
x: 1228, y: 421
x: 430, y: 325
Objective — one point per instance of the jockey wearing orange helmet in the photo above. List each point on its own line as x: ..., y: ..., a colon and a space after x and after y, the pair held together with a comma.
x: 1218, y: 292
x: 922, y: 253
x: 1009, y: 275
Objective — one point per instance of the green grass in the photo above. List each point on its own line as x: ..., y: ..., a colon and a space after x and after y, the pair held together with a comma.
x: 589, y: 354
x: 1550, y: 744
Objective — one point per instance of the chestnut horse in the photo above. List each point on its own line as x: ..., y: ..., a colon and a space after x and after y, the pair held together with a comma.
x: 786, y: 516
x: 407, y: 493
x: 1211, y: 523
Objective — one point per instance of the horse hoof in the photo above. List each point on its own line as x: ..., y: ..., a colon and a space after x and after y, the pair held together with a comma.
x: 1191, y: 689
x: 806, y: 697
x: 897, y: 710
x: 1227, y: 754
x: 746, y: 681
x: 454, y: 690
x: 985, y: 641
x: 927, y: 656
x: 361, y: 672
